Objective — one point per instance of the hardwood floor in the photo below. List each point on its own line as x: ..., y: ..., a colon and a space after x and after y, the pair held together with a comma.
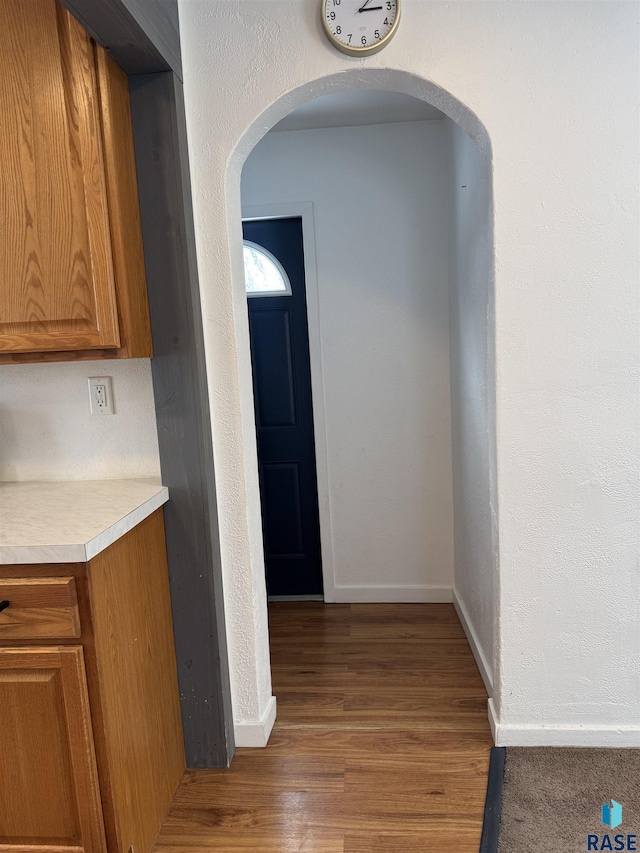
x: 381, y: 743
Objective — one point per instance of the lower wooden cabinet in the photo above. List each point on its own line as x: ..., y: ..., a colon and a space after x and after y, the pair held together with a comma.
x: 49, y: 791
x: 90, y: 733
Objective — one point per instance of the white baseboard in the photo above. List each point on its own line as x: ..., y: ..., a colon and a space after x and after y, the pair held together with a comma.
x: 493, y: 721
x: 587, y: 736
x: 486, y: 671
x: 381, y: 594
x: 539, y: 735
x: 256, y: 734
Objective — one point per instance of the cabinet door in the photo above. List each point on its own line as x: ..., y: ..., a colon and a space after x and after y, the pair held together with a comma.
x: 58, y: 287
x: 49, y: 797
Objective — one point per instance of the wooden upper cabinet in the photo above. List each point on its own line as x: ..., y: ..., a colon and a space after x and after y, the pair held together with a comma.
x: 56, y: 268
x: 72, y: 277
x: 124, y: 209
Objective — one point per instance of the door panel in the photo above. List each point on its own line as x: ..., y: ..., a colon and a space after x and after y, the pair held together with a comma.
x: 49, y: 793
x: 282, y: 509
x: 40, y: 803
x: 56, y: 268
x: 284, y: 418
x: 273, y: 368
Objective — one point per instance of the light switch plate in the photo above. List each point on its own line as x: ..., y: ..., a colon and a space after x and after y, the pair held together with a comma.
x: 101, y: 395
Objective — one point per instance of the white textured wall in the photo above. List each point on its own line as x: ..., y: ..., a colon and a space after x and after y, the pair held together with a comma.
x: 472, y: 391
x: 379, y: 197
x: 48, y: 433
x: 556, y: 87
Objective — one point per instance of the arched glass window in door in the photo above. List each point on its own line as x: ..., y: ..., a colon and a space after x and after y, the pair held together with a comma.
x: 264, y: 275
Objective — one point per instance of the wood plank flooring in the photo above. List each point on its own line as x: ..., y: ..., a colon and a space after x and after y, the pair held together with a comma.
x: 381, y: 743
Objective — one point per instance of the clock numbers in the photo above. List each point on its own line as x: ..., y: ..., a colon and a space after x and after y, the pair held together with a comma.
x: 360, y: 27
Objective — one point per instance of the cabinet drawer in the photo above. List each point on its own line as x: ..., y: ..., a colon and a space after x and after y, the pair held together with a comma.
x: 38, y: 608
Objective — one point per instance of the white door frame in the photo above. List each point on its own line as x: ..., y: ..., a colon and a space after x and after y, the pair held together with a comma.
x: 304, y: 209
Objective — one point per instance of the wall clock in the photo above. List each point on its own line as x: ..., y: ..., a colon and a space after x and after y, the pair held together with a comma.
x: 360, y: 27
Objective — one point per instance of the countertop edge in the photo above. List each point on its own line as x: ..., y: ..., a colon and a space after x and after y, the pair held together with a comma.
x: 78, y: 552
x: 119, y: 528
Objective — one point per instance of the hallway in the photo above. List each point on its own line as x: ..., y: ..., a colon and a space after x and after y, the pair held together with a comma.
x: 381, y: 744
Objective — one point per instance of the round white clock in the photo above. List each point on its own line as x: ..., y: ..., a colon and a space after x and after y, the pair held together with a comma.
x: 360, y: 27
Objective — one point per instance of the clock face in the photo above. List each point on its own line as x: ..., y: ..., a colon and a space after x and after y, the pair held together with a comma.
x: 360, y: 26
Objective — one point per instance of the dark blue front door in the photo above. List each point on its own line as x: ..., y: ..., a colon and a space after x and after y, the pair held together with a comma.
x: 284, y: 418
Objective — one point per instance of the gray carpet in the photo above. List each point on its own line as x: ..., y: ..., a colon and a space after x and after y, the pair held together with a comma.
x: 552, y: 798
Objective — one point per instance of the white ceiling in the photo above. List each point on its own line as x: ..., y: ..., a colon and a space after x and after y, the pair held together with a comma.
x: 358, y: 107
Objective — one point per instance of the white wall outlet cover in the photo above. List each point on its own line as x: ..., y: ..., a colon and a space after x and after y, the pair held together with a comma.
x: 101, y: 395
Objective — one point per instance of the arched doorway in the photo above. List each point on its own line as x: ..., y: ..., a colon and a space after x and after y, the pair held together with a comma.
x: 243, y: 567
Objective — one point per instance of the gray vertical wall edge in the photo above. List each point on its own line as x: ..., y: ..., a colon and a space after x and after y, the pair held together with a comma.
x: 182, y: 409
x: 143, y: 38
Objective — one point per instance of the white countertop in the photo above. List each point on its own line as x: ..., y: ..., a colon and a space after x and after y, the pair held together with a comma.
x: 71, y: 522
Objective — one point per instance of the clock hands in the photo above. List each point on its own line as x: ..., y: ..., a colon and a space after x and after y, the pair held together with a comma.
x: 363, y: 39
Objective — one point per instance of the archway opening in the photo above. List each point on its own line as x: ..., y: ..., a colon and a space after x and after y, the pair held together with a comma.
x: 429, y: 482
